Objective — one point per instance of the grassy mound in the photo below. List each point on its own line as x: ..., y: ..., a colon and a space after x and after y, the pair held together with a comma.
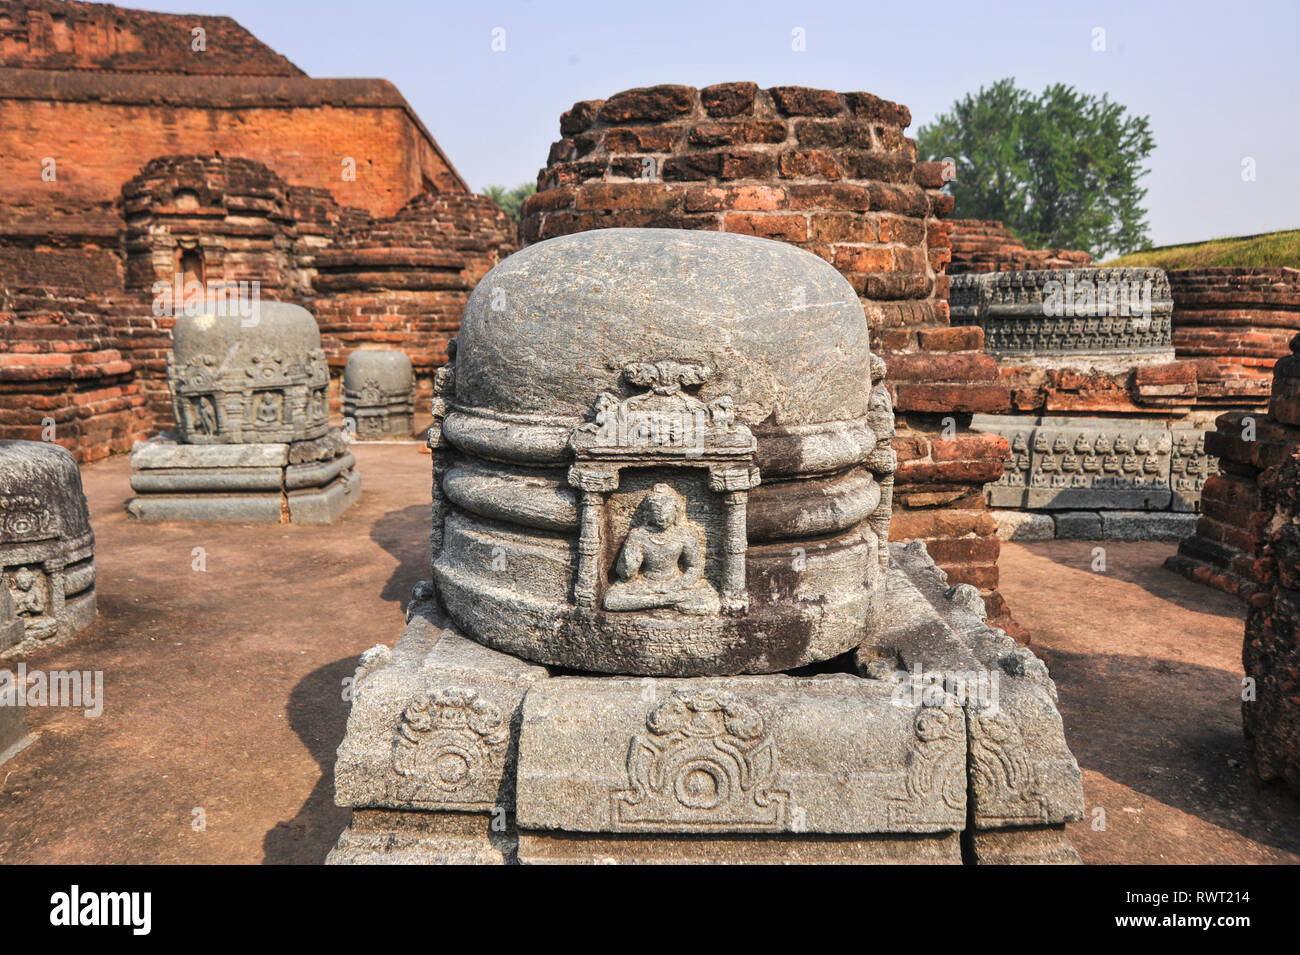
x: 1271, y: 250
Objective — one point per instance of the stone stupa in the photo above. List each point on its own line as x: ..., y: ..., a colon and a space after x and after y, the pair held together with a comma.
x: 253, y: 442
x: 665, y: 620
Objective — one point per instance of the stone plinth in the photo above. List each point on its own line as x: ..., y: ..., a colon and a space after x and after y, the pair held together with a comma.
x: 47, y: 549
x: 305, y: 482
x: 939, y: 742
x: 13, y: 727
x: 379, y: 395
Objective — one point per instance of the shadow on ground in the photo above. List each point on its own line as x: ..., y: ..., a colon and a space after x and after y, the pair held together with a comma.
x: 1165, y: 728
x: 316, y: 715
x: 404, y: 534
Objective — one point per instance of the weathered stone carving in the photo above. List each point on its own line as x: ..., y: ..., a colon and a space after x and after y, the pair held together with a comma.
x: 257, y: 379
x: 254, y: 441
x: 379, y: 394
x: 570, y: 436
x: 47, y: 562
x: 631, y: 533
x: 453, y: 739
x: 707, y: 763
x: 1064, y: 311
x: 1071, y: 463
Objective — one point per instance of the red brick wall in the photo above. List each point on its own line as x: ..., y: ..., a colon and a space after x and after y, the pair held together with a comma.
x: 1242, y: 319
x: 403, y: 282
x: 835, y: 174
x: 1251, y: 445
x: 101, y: 129
x: 59, y: 364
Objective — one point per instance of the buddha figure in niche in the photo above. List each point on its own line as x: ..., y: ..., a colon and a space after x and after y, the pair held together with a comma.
x: 661, y: 562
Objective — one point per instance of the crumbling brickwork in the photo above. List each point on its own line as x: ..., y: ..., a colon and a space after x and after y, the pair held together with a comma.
x: 133, y: 157
x: 61, y: 377
x: 980, y: 246
x: 404, y: 281
x: 1271, y: 654
x: 69, y: 35
x: 835, y: 174
x: 1240, y: 319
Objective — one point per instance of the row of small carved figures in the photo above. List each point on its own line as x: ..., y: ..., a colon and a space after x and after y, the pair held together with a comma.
x: 1058, y: 479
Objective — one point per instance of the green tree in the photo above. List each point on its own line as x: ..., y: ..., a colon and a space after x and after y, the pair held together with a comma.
x: 511, y: 201
x: 1060, y: 169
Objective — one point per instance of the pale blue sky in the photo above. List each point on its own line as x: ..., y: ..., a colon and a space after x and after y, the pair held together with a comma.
x: 1220, y: 81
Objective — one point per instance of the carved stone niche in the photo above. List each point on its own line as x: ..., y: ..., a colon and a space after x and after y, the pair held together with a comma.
x: 255, y: 375
x: 662, y: 452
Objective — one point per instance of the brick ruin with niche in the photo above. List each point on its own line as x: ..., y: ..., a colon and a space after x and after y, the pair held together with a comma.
x: 250, y: 187
x: 835, y: 174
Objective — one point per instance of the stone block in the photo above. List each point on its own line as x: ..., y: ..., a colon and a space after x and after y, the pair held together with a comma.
x: 251, y: 508
x: 738, y: 755
x: 1078, y: 525
x: 435, y: 726
x: 163, y: 451
x: 1146, y: 526
x: 1024, y: 526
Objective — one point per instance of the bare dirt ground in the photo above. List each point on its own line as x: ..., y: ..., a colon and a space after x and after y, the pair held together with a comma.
x: 224, y: 689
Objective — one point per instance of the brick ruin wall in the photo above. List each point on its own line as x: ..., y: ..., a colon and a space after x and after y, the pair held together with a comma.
x: 70, y: 35
x: 1271, y: 653
x: 834, y: 174
x: 82, y: 339
x: 63, y: 376
x: 981, y: 246
x: 1241, y: 320
x: 304, y: 128
x: 126, y: 150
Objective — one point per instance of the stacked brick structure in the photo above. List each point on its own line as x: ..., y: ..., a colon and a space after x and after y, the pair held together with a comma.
x: 1236, y: 324
x: 979, y: 246
x: 132, y: 156
x: 835, y: 174
x: 1271, y: 653
x: 69, y: 35
x: 62, y: 377
x: 1240, y: 319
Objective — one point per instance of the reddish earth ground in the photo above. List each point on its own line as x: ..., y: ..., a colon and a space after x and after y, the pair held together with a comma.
x: 224, y: 690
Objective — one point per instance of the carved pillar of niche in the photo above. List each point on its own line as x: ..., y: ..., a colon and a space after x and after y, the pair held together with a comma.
x: 592, y: 485
x: 734, y: 485
x: 440, y: 450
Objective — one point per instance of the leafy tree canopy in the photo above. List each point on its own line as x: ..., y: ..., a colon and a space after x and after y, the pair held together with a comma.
x: 511, y: 201
x: 1060, y: 169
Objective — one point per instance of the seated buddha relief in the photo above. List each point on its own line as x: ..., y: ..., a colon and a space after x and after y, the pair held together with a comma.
x: 661, y: 562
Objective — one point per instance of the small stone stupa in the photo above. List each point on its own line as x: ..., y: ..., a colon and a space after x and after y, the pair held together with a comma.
x: 253, y: 441
x: 665, y: 621
x: 379, y: 395
x: 47, y: 549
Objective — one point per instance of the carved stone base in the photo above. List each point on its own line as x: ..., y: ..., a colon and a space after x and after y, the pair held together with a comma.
x: 939, y: 742
x: 260, y: 483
